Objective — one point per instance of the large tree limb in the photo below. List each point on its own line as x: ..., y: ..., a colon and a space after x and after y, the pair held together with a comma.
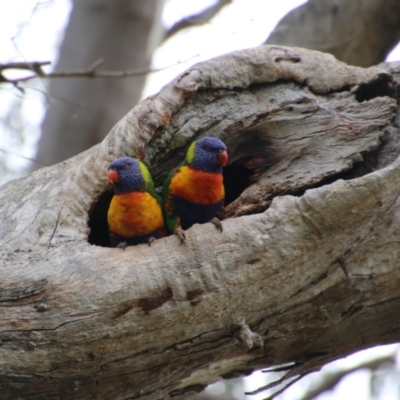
x: 358, y: 32
x: 310, y: 279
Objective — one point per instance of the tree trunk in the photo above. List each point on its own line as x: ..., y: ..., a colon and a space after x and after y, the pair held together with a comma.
x: 358, y: 32
x: 83, y: 110
x: 311, y: 276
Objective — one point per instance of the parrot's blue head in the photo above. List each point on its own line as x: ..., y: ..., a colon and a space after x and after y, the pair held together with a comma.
x: 128, y: 175
x: 207, y: 154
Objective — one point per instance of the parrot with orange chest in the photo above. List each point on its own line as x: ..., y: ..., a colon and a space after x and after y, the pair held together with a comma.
x: 134, y: 215
x: 194, y: 192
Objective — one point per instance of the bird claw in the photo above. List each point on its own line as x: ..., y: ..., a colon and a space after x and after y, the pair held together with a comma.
x: 181, y: 234
x: 217, y: 223
x: 151, y: 240
x: 122, y: 245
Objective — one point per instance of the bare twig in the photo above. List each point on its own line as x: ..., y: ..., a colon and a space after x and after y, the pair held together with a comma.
x: 27, y: 65
x: 11, y: 153
x: 90, y: 72
x: 34, y: 66
x: 197, y: 19
x: 282, y: 379
x: 29, y: 19
x: 330, y: 380
x: 281, y: 390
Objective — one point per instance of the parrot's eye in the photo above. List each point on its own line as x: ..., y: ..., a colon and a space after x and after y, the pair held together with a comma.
x: 126, y: 166
x: 207, y: 148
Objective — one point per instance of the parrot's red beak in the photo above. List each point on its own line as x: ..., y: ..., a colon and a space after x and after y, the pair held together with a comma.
x: 222, y: 158
x: 113, y: 175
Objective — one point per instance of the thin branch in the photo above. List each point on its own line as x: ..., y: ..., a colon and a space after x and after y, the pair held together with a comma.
x: 27, y: 22
x: 330, y: 380
x: 34, y: 66
x: 90, y: 72
x: 11, y: 153
x: 26, y: 65
x: 280, y: 368
x: 271, y: 385
x: 200, y: 18
x: 284, y: 388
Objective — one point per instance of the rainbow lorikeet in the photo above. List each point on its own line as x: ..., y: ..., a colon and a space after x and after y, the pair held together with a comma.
x: 135, y: 214
x: 194, y: 192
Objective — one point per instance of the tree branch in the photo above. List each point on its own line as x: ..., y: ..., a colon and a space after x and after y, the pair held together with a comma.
x: 330, y: 380
x: 33, y: 160
x: 197, y: 19
x: 339, y: 28
x: 25, y: 65
x: 82, y: 320
x: 90, y: 72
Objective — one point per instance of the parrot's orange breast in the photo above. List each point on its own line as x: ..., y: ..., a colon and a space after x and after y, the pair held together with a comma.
x: 134, y: 214
x: 198, y: 186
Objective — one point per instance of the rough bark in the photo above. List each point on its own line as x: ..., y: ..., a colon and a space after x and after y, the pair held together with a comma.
x: 305, y: 281
x: 358, y: 32
x: 82, y: 111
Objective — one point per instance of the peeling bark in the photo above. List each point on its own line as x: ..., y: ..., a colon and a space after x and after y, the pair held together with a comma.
x: 310, y: 277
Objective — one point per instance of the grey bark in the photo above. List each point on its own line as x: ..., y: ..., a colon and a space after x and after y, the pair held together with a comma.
x: 82, y: 111
x: 305, y: 281
x: 358, y: 32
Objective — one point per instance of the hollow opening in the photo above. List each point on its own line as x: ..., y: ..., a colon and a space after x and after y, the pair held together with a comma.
x: 379, y: 88
x: 250, y: 162
x: 97, y: 222
x: 236, y: 179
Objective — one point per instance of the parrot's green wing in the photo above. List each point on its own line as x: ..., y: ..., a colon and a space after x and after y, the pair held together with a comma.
x: 149, y: 182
